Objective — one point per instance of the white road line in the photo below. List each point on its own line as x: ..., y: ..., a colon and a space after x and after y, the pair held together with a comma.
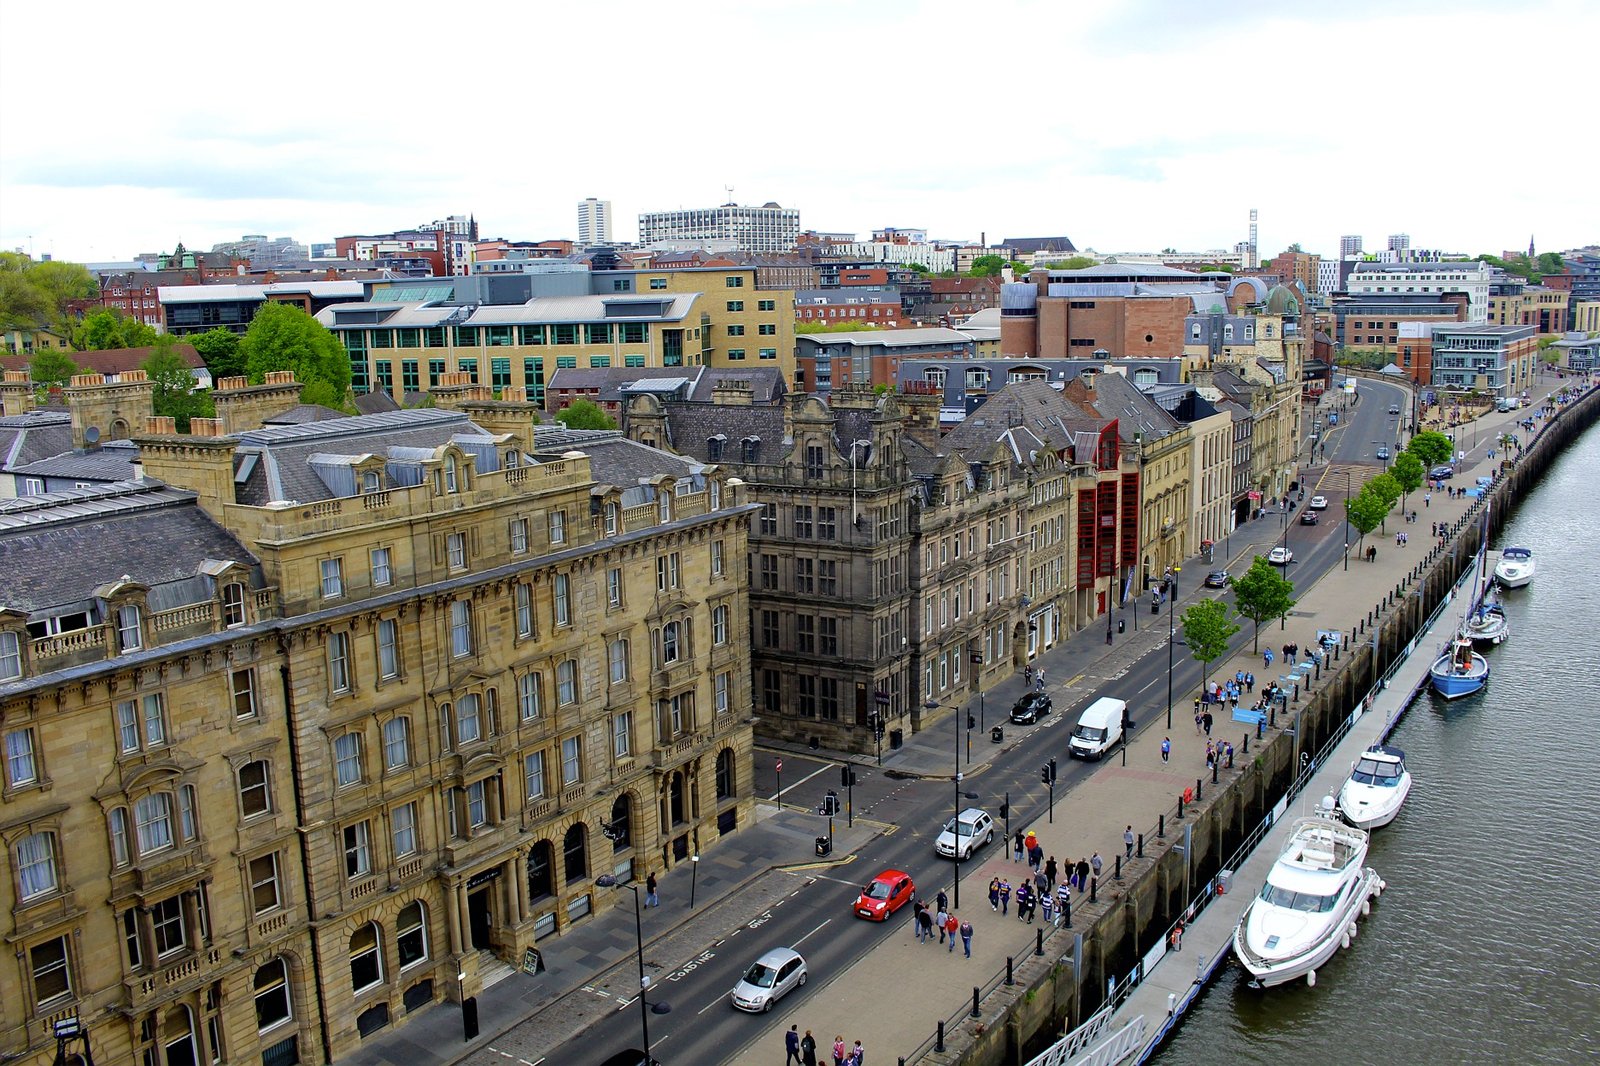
x: 820, y: 770
x: 797, y: 943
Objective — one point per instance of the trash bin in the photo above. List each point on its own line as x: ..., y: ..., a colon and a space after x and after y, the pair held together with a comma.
x: 997, y: 734
x: 1122, y: 625
x: 897, y: 737
x: 824, y: 846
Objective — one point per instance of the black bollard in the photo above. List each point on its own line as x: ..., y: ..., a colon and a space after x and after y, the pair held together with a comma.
x: 1214, y: 770
x: 1139, y: 851
x: 1199, y: 783
x: 975, y: 1012
x: 1066, y: 912
x: 1094, y: 887
x: 1009, y: 978
x: 1230, y: 762
x: 1180, y: 808
x: 938, y: 1040
x: 1038, y: 941
x: 1161, y: 827
x: 1272, y: 714
x: 1245, y: 744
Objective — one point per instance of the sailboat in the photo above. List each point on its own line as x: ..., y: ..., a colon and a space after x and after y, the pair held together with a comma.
x: 1460, y: 671
x: 1488, y: 623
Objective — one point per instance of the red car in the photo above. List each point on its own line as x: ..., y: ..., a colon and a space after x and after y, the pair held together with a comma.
x: 884, y: 895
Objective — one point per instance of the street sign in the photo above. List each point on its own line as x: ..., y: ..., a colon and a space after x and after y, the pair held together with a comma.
x: 779, y: 767
x: 881, y: 698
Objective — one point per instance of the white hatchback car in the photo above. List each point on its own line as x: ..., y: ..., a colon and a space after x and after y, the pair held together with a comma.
x: 976, y: 830
x: 769, y: 979
x: 1318, y: 503
x: 1280, y: 556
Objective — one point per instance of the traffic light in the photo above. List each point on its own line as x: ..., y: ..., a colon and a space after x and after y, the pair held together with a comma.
x: 1044, y: 774
x: 1005, y: 811
x: 972, y: 721
x: 1052, y: 769
x: 847, y: 775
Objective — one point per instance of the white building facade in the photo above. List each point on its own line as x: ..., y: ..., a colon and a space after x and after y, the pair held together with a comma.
x: 768, y: 228
x: 1471, y: 278
x: 594, y: 222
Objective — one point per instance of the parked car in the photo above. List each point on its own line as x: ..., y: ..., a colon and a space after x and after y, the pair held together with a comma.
x: 976, y: 829
x: 1280, y: 556
x: 1442, y: 472
x: 1318, y: 503
x: 883, y: 895
x: 1217, y: 579
x: 1030, y: 708
x: 1308, y: 518
x: 769, y: 978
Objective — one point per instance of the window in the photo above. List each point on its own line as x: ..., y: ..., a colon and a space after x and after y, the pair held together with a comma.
x: 403, y: 830
x: 766, y: 305
x: 806, y: 634
x: 664, y: 507
x: 477, y: 805
x: 723, y: 690
x: 575, y: 853
x: 388, y: 648
x: 769, y: 571
x: 357, y: 851
x: 167, y: 923
x: 338, y: 662
x: 767, y: 329
x: 152, y: 821
x: 558, y: 527
x: 130, y: 631
x: 617, y: 656
x: 519, y: 535
x: 523, y: 597
x: 614, y: 586
x: 563, y: 600
x: 347, y: 759
x: 733, y: 282
x: 141, y: 724
x: 667, y: 572
x: 719, y: 625
x: 725, y: 774
x: 332, y: 578
x: 670, y: 649
x: 658, y: 283
x: 735, y: 353
x: 766, y: 353
x: 769, y: 519
x: 469, y: 721
x: 571, y: 761
x: 769, y: 629
x: 452, y: 472
x: 716, y: 558
x: 802, y: 522
x: 36, y: 865
x: 456, y: 548
x: 611, y: 518
x: 460, y: 628
x: 255, y: 793
x: 567, y: 682
x: 117, y: 819
x: 530, y: 696
x: 264, y: 894
x: 188, y: 825
x: 411, y: 934
x: 232, y: 608
x: 52, y: 979
x: 533, y: 775
x: 622, y: 735
x: 382, y: 573
x: 272, y: 995
x: 244, y: 693
x: 827, y: 523
x: 366, y: 960
x: 397, y: 743
x: 21, y: 769
x: 735, y: 331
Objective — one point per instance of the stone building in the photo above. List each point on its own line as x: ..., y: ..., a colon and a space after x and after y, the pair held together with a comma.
x: 366, y: 704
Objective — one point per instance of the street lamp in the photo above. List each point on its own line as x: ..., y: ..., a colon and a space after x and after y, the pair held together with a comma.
x: 66, y: 1030
x: 645, y: 1008
x: 1172, y: 635
x: 1347, y: 521
x: 955, y: 824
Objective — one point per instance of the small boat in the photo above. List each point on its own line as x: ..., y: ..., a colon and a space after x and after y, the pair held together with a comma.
x: 1308, y: 908
x: 1487, y: 624
x: 1459, y: 671
x: 1515, y: 568
x: 1379, y: 784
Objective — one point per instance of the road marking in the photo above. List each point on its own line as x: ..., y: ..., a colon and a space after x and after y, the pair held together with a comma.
x: 802, y: 939
x: 1074, y: 680
x: 508, y: 1055
x: 820, y: 770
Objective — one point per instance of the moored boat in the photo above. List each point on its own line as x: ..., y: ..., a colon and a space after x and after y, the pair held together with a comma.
x: 1515, y: 568
x: 1378, y: 785
x: 1487, y: 624
x: 1458, y: 671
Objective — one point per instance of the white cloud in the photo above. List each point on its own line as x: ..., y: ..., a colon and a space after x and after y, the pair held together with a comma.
x: 1123, y: 125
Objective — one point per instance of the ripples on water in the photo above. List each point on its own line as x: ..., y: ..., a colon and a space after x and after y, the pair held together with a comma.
x: 1484, y: 948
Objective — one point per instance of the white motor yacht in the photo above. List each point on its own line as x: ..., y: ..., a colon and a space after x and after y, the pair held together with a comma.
x: 1515, y: 568
x: 1378, y: 785
x: 1309, y: 906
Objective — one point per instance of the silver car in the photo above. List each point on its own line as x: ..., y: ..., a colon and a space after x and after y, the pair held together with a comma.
x: 769, y: 979
x: 976, y: 830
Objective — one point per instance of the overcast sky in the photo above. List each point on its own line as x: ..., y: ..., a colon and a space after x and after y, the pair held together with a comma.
x: 1127, y: 125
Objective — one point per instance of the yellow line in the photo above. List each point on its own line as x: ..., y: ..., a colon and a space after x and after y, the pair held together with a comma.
x: 1073, y: 681
x: 824, y: 864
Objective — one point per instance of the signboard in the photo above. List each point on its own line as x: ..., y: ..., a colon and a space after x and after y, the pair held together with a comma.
x: 483, y: 877
x: 532, y: 961
x: 881, y: 698
x: 779, y: 767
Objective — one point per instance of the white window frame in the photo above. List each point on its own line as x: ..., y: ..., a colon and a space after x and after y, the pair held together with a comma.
x: 152, y: 823
x: 533, y: 784
x: 469, y: 719
x: 566, y: 682
x: 617, y: 658
x: 524, y: 609
x: 562, y: 600
x: 530, y: 696
x: 130, y: 627
x: 719, y: 624
x: 22, y: 764
x: 397, y: 743
x: 37, y: 874
x: 339, y: 679
x: 460, y: 628
x: 519, y: 536
x: 723, y: 692
x: 357, y: 840
x: 332, y: 572
x: 388, y: 649
x: 347, y: 759
x: 571, y: 761
x: 403, y: 830
x: 622, y: 735
x: 558, y: 526
x: 456, y: 550
x: 276, y: 991
x: 382, y: 568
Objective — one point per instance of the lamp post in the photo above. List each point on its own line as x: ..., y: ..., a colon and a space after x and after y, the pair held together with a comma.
x: 1172, y: 635
x: 646, y: 1008
x: 1347, y: 521
x: 66, y: 1030
x: 955, y: 823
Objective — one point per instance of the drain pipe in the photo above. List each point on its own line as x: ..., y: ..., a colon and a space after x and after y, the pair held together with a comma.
x: 290, y: 720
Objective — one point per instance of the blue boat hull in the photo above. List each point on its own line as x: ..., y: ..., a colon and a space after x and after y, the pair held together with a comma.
x: 1453, y: 685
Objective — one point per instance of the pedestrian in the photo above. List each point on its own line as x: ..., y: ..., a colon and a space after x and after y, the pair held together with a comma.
x: 994, y: 894
x: 941, y: 901
x: 650, y: 897
x: 1041, y: 887
x: 1039, y: 680
x: 1064, y: 900
x: 966, y: 938
x: 1166, y: 748
x: 939, y: 921
x: 1096, y: 864
x: 1250, y: 682
x: 951, y: 925
x: 1198, y: 712
x: 808, y: 1050
x: 1016, y: 847
x: 838, y: 1050
x: 924, y: 923
x: 1266, y: 659
x: 1031, y: 841
x: 791, y: 1045
x: 1207, y: 720
x: 1050, y: 870
x: 1435, y: 528
x: 1022, y: 900
x: 1211, y: 755
x: 1127, y: 842
x: 1036, y: 857
x: 1083, y: 875
x: 1047, y: 908
x: 1005, y: 896
x: 1427, y: 499
x: 858, y: 1055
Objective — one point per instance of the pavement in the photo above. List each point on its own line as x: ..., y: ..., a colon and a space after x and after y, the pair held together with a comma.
x: 926, y: 982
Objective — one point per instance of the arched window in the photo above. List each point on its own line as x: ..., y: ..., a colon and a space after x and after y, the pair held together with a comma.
x: 622, y: 824
x: 366, y: 958
x: 541, y: 871
x: 411, y: 934
x: 726, y: 781
x: 452, y: 480
x: 273, y: 1004
x: 575, y: 853
x: 177, y: 1036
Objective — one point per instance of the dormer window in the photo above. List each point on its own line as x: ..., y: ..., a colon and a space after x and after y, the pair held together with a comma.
x: 130, y: 628
x: 10, y: 656
x: 452, y: 474
x: 370, y: 482
x: 714, y: 447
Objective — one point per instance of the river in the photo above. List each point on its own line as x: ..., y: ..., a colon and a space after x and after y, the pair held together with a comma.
x: 1486, y: 946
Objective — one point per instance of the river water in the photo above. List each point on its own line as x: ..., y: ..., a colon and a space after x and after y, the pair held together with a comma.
x: 1486, y: 946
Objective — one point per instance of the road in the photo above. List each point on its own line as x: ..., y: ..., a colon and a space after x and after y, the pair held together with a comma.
x: 809, y: 909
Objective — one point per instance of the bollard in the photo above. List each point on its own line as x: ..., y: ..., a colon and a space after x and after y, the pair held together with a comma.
x: 1214, y: 770
x: 1272, y: 715
x: 1244, y: 745
x: 1180, y: 807
x: 1094, y: 887
x: 1066, y: 912
x: 1230, y: 764
x: 1199, y: 783
x: 1038, y: 941
x: 938, y: 1040
x: 1116, y: 871
x: 1161, y: 827
x: 1139, y: 851
x: 975, y: 1012
x: 1009, y: 978
x: 1297, y: 692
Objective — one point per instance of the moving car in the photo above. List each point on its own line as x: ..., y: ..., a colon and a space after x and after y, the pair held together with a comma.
x: 1383, y: 451
x: 1030, y: 708
x: 1217, y: 579
x: 1308, y: 518
x: 769, y: 978
x: 1318, y: 503
x: 976, y: 830
x: 1441, y: 472
x: 883, y: 895
x: 1280, y: 556
x: 1394, y: 408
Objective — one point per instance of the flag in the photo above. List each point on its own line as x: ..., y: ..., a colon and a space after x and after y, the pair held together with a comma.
x: 1127, y: 586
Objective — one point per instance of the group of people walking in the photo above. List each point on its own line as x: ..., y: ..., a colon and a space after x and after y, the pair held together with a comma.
x: 802, y: 1050
x: 943, y: 921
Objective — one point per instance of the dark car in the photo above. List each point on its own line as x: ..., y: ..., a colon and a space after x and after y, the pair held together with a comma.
x: 631, y: 1057
x: 1394, y: 408
x: 1030, y: 708
x: 1441, y: 472
x: 1308, y: 518
x: 1217, y: 579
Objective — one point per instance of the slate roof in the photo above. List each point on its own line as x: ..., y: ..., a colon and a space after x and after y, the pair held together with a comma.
x: 613, y: 458
x: 1114, y: 396
x: 690, y: 427
x: 375, y: 403
x: 1027, y: 405
x: 27, y: 438
x: 56, y: 549
x: 1034, y: 245
x: 113, y: 461
x: 304, y: 412
x: 888, y: 338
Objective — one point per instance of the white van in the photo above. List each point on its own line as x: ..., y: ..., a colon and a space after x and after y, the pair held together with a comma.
x: 1099, y: 728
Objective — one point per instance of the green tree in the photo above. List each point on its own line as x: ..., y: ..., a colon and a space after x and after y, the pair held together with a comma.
x: 1408, y: 470
x: 38, y: 294
x: 51, y: 367
x: 1551, y: 263
x: 22, y: 304
x: 175, y: 394
x: 917, y: 268
x: 1432, y: 447
x: 1262, y: 594
x: 987, y: 266
x: 583, y: 414
x: 1365, y: 511
x: 109, y: 328
x: 1207, y: 627
x: 1215, y: 268
x: 834, y: 327
x: 1077, y: 262
x: 1387, y: 488
x: 63, y: 283
x: 220, y: 349
x: 282, y: 337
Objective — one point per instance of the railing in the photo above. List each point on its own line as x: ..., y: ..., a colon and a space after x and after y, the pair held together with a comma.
x: 159, y: 982
x: 406, y: 871
x: 267, y: 926
x: 192, y: 614
x: 372, y: 501
x: 68, y: 643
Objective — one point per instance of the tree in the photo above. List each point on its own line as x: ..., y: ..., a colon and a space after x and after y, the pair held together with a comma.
x: 1551, y: 263
x: 583, y: 414
x: 22, y: 304
x: 1408, y: 470
x: 282, y: 337
x: 1215, y: 268
x: 175, y: 393
x: 1432, y: 447
x: 1077, y: 262
x: 51, y: 367
x: 916, y: 268
x: 987, y: 266
x: 1365, y: 511
x: 1207, y: 627
x: 1387, y: 488
x: 109, y: 328
x: 39, y: 294
x: 220, y: 349
x: 1262, y: 594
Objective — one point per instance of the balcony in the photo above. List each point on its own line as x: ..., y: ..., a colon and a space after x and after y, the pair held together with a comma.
x: 189, y: 971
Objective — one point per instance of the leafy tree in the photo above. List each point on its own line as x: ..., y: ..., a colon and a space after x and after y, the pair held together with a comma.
x: 38, y: 294
x: 63, y: 283
x: 1365, y: 511
x: 23, y: 305
x: 175, y: 394
x: 51, y: 368
x: 1408, y: 470
x: 917, y: 268
x: 1551, y: 263
x: 836, y: 327
x: 282, y: 337
x: 1207, y: 627
x: 1262, y: 594
x: 583, y: 414
x: 1386, y: 488
x: 109, y: 328
x: 987, y: 266
x: 1077, y: 262
x: 1215, y: 268
x: 1295, y: 247
x: 220, y: 349
x: 1432, y: 447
